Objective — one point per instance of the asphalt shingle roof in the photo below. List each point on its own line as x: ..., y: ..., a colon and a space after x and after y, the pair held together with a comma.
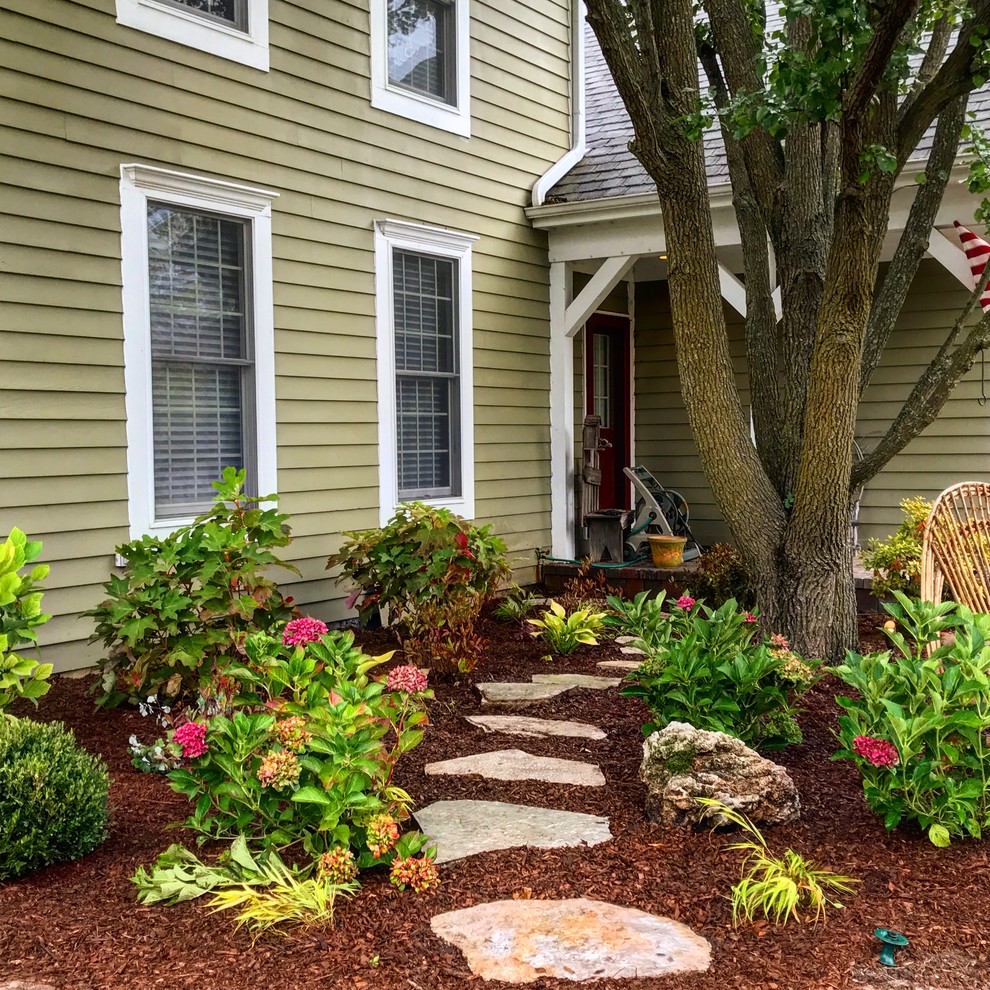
x: 608, y: 169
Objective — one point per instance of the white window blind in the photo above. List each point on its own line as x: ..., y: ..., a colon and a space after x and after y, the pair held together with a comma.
x: 427, y: 379
x: 422, y: 47
x: 232, y: 12
x: 201, y: 360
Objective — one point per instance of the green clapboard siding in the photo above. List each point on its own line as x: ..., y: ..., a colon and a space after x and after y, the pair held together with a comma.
x: 84, y: 95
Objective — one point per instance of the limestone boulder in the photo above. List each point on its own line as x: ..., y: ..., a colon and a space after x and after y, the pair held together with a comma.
x: 682, y: 763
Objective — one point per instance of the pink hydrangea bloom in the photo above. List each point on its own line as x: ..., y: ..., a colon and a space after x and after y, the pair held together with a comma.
x: 408, y: 678
x: 383, y: 833
x: 685, y: 601
x: 191, y: 736
x: 749, y: 617
x: 420, y: 873
x: 779, y: 642
x: 278, y: 769
x: 299, y: 632
x: 878, y: 751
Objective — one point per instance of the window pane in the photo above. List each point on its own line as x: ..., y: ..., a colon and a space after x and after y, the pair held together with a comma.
x: 198, y: 431
x: 232, y: 11
x: 197, y: 273
x: 421, y: 47
x: 424, y: 313
x: 603, y: 378
x: 424, y: 435
x: 196, y: 277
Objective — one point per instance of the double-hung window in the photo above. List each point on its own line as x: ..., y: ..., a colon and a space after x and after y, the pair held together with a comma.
x: 232, y: 29
x: 198, y: 341
x: 425, y: 392
x: 421, y: 61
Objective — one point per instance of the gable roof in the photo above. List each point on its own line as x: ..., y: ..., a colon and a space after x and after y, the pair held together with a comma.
x: 608, y: 169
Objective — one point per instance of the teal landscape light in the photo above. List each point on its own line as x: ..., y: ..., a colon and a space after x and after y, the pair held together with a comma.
x: 892, y: 941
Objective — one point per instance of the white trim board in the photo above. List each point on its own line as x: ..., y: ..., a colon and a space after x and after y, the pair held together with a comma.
x: 456, y: 117
x: 138, y: 184
x: 443, y: 243
x: 208, y: 34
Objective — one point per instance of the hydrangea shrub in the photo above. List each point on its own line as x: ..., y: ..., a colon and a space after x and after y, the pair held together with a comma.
x: 918, y: 727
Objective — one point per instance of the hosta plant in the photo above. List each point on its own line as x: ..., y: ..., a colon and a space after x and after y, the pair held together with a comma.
x: 432, y: 573
x: 778, y: 888
x: 918, y: 726
x: 20, y: 619
x: 515, y: 605
x: 718, y: 674
x: 186, y: 602
x: 564, y: 632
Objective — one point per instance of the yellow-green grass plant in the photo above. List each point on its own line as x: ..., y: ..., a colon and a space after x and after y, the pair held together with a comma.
x: 778, y: 888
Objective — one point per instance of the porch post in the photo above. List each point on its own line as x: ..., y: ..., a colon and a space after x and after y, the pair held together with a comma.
x: 562, y: 521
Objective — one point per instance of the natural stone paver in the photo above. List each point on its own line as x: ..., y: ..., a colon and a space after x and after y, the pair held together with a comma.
x: 625, y: 640
x: 516, y: 764
x: 578, y: 939
x: 632, y: 651
x: 463, y: 828
x: 619, y: 664
x: 577, y: 680
x: 521, y: 725
x: 519, y: 695
x: 24, y: 985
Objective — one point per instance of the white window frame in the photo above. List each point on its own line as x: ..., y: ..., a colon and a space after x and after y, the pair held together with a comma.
x: 186, y: 27
x: 438, y: 242
x: 138, y: 185
x: 455, y: 118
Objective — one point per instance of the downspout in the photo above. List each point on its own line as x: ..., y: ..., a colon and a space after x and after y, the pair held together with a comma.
x: 560, y: 168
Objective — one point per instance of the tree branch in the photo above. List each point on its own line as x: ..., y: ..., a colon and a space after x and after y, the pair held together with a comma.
x: 914, y: 239
x: 891, y: 17
x: 953, y: 79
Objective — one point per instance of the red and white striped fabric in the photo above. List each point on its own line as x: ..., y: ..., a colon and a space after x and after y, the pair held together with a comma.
x: 977, y: 251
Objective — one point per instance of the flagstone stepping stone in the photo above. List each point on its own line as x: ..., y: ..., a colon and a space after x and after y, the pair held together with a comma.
x: 619, y: 664
x: 520, y: 941
x: 516, y: 764
x: 519, y: 695
x: 632, y: 651
x: 520, y: 725
x: 578, y: 680
x: 463, y: 828
x: 625, y: 640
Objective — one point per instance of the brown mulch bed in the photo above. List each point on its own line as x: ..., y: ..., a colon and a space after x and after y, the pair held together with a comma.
x: 77, y: 926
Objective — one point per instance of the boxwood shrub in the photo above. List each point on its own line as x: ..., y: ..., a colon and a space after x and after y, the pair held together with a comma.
x: 53, y: 797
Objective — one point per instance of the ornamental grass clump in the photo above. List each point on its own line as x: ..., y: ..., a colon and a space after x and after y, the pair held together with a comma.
x: 712, y: 669
x: 778, y: 888
x: 186, y: 602
x: 433, y: 573
x: 917, y: 728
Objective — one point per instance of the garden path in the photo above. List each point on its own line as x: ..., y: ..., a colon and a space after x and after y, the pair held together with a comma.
x: 519, y: 941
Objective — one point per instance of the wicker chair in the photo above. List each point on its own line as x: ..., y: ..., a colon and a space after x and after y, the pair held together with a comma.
x: 956, y: 546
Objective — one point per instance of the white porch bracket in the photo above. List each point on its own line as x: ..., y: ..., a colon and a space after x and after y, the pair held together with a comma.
x: 734, y: 293
x: 951, y: 257
x: 600, y: 284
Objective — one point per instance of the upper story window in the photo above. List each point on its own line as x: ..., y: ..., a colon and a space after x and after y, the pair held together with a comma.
x: 425, y: 366
x: 198, y: 341
x: 420, y: 61
x: 232, y: 29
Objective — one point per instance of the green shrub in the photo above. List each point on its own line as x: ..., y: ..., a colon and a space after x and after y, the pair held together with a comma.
x: 721, y: 575
x: 515, y: 605
x: 53, y: 797
x: 643, y: 617
x: 896, y: 561
x: 564, y: 632
x: 304, y: 756
x: 433, y: 572
x: 918, y: 727
x: 713, y: 674
x: 20, y: 617
x: 188, y: 601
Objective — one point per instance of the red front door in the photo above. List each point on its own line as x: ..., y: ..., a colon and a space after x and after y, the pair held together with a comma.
x: 606, y: 349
